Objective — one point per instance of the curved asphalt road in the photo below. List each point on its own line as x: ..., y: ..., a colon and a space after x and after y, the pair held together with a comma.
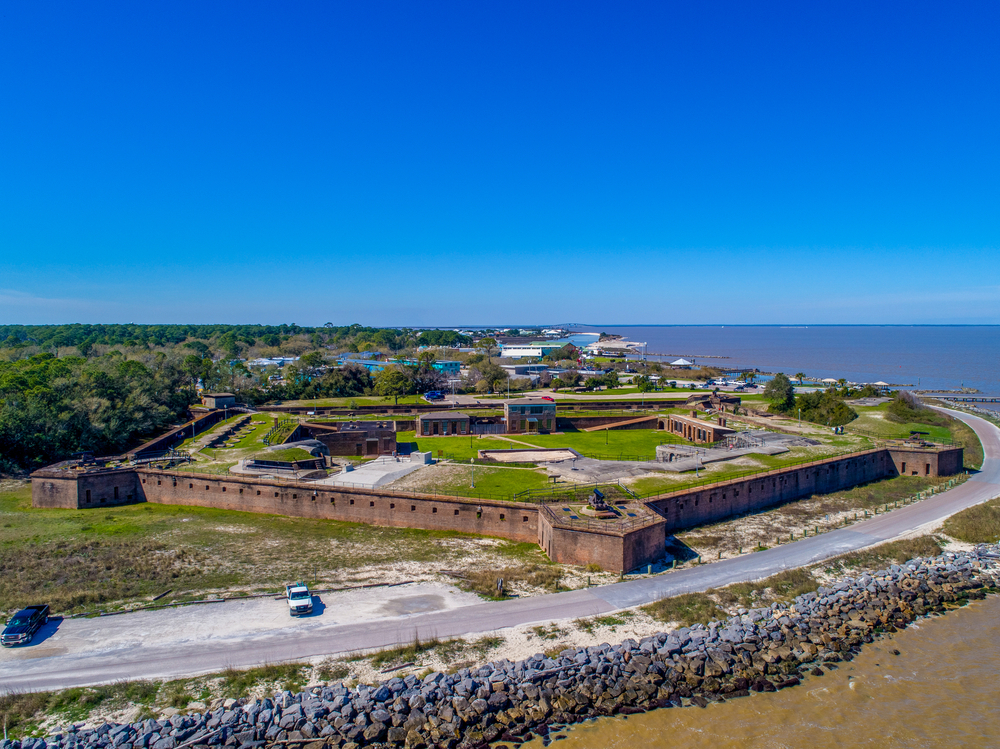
x: 138, y: 661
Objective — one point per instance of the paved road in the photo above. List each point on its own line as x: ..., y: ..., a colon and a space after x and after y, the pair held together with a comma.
x: 123, y: 654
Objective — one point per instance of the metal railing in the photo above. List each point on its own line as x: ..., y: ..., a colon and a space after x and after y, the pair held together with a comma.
x: 621, y: 525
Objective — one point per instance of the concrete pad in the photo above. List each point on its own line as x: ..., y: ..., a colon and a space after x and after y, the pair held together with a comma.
x: 529, y: 456
x: 592, y: 471
x: 373, y: 475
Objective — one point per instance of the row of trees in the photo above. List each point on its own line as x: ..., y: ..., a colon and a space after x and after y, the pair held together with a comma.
x: 825, y: 407
x: 219, y: 340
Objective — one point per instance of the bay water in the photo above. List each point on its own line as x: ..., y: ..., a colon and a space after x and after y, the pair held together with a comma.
x: 923, y: 356
x: 940, y: 691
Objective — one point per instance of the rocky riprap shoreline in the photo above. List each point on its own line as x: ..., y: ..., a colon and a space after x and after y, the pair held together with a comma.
x: 762, y: 649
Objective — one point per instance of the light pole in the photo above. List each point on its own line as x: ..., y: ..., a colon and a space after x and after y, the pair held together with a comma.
x: 473, y: 462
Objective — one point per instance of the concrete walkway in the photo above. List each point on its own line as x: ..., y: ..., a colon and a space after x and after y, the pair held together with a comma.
x: 121, y: 652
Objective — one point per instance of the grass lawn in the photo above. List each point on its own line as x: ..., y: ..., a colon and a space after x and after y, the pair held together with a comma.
x: 79, y: 560
x: 874, y: 420
x: 217, y: 469
x: 724, y: 471
x: 253, y: 439
x: 287, y: 455
x: 669, y: 482
x: 635, y: 442
x: 461, y: 448
x: 217, y: 429
x: 452, y: 478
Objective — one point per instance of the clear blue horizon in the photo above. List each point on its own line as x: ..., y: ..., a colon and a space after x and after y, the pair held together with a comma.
x: 456, y: 163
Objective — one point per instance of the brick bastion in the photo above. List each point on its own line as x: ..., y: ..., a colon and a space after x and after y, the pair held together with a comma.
x: 616, y: 545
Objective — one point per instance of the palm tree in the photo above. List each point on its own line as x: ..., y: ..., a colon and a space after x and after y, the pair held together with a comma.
x: 800, y: 376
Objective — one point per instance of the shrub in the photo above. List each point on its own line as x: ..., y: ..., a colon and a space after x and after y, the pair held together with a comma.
x: 893, y: 552
x: 906, y: 408
x: 688, y: 609
x: 236, y: 683
x: 826, y: 408
x: 976, y: 525
x: 784, y: 586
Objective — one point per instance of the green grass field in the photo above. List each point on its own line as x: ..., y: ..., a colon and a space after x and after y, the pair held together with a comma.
x: 635, y: 442
x: 253, y: 439
x: 461, y: 448
x: 873, y: 420
x: 453, y: 478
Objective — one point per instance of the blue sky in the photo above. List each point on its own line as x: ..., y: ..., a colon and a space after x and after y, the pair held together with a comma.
x: 476, y: 163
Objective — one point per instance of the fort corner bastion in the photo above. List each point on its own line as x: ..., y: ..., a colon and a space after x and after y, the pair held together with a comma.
x: 618, y: 545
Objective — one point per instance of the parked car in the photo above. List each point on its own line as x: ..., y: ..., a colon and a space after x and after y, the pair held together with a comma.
x: 299, y: 598
x: 434, y: 395
x: 22, y: 626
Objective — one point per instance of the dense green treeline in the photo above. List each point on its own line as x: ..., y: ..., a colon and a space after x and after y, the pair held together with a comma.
x: 52, y: 407
x: 105, y: 388
x: 225, y: 339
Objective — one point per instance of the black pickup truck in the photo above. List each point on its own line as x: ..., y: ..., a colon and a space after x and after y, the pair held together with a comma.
x: 23, y: 625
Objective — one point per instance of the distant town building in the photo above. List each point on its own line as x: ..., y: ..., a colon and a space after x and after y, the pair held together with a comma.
x: 535, y: 348
x: 274, y: 361
x: 529, y: 415
x: 442, y: 365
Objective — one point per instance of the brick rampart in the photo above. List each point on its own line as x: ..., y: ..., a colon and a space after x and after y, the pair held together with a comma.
x: 714, y: 502
x: 511, y: 520
x: 613, y: 550
x: 73, y: 490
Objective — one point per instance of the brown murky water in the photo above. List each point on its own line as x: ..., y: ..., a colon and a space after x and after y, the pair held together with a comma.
x: 942, y: 690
